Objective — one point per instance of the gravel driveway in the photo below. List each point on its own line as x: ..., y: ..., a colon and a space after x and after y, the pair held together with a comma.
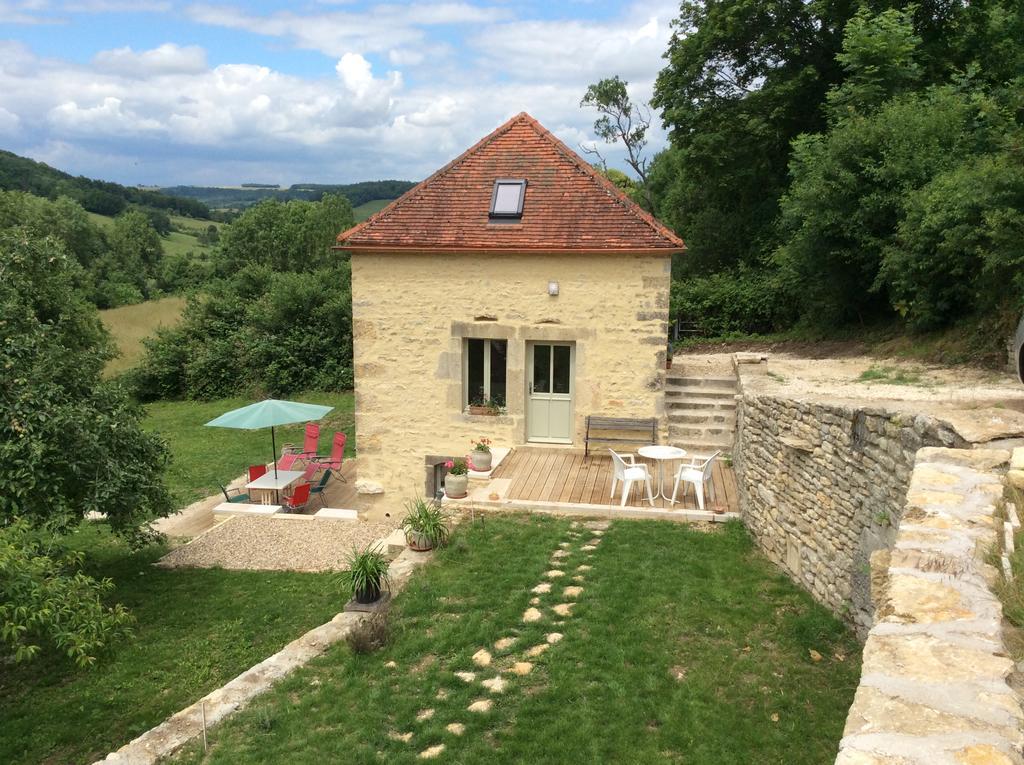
x: 277, y: 544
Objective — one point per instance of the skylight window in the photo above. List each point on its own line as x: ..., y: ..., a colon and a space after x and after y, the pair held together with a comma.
x: 507, y: 199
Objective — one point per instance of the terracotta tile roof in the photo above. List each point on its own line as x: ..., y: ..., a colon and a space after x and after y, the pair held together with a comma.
x: 568, y: 205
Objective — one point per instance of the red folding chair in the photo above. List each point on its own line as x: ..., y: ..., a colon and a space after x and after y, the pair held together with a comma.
x: 299, y: 498
x: 311, y: 443
x: 255, y: 471
x: 337, y: 455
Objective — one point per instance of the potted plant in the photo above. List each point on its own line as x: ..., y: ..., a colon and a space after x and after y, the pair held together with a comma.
x: 425, y: 525
x: 490, y: 407
x: 367, y: 574
x: 456, y: 482
x: 480, y: 457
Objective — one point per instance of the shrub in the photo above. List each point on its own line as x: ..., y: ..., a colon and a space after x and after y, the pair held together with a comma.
x: 744, y: 300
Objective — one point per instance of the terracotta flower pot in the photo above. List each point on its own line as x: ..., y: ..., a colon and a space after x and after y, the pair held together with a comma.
x: 456, y: 486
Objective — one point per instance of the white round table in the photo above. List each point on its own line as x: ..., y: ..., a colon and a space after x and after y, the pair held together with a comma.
x: 662, y: 454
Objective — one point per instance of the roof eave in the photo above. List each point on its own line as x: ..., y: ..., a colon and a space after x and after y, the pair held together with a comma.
x: 439, y: 250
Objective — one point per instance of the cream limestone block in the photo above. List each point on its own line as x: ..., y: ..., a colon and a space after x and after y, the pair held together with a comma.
x: 504, y: 644
x: 541, y: 588
x: 466, y: 677
x: 424, y: 715
x: 913, y: 599
x: 537, y: 650
x: 482, y: 658
x: 456, y: 729
x: 554, y: 573
x: 521, y: 668
x: 532, y: 615
x: 480, y: 706
x: 923, y: 657
x: 553, y: 637
x: 1017, y: 459
x: 572, y: 592
x: 495, y: 684
x: 563, y: 609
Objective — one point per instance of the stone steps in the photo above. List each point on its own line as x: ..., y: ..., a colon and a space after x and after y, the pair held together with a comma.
x: 701, y: 413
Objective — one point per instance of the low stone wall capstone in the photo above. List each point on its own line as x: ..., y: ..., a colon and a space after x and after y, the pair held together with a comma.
x: 823, y: 486
x: 934, y: 687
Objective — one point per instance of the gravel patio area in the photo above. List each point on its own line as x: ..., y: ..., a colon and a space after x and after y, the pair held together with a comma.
x: 275, y: 544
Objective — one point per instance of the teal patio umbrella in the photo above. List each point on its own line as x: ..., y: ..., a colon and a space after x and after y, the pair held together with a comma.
x: 268, y: 414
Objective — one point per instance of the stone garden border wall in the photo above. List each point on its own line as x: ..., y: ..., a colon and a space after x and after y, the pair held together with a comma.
x: 935, y: 683
x: 822, y: 486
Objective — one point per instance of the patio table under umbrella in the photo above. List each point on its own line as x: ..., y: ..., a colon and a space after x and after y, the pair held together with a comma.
x: 268, y: 414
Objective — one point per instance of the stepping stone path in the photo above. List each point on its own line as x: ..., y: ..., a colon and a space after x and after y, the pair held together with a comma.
x: 483, y: 658
x: 495, y: 684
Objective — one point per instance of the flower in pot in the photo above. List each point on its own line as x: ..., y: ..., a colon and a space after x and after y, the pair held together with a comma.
x: 425, y: 524
x: 490, y: 407
x: 367, y: 574
x: 456, y: 482
x: 480, y: 458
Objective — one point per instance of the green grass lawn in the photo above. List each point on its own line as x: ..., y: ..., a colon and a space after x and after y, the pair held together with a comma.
x: 684, y: 647
x: 195, y: 630
x: 130, y: 324
x: 204, y: 457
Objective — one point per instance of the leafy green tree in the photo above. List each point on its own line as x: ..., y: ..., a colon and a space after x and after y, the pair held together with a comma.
x: 621, y: 120
x: 70, y: 445
x: 285, y: 236
x: 46, y: 600
x: 743, y: 79
x: 879, y: 59
x: 70, y: 442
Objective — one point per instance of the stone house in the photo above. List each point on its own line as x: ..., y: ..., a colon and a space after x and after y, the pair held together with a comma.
x: 515, y: 275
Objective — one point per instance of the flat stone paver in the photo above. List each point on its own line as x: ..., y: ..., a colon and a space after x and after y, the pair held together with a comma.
x: 572, y: 592
x: 554, y: 637
x: 521, y: 668
x: 537, y: 650
x: 504, y: 644
x: 495, y: 684
x: 563, y: 609
x: 532, y: 615
x: 431, y: 752
x: 480, y: 706
x: 424, y: 714
x: 466, y: 677
x: 456, y: 729
x: 541, y: 588
x: 554, y: 573
x: 482, y: 658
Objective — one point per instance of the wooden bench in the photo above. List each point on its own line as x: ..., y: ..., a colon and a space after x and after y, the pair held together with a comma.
x: 644, y: 431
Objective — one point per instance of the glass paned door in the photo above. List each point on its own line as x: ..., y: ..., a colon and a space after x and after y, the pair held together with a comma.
x: 549, y: 415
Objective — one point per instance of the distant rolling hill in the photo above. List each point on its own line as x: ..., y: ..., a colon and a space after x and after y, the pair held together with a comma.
x: 246, y: 195
x: 103, y: 197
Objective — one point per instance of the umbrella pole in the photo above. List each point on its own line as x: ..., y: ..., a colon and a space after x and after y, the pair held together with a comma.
x: 273, y: 444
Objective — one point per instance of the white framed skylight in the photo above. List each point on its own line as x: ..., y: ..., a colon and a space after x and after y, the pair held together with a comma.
x: 507, y: 198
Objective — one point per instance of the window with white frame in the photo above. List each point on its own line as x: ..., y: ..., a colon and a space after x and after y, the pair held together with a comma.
x: 485, y: 362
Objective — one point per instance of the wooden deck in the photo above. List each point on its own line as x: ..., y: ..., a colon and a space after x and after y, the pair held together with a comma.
x: 546, y: 475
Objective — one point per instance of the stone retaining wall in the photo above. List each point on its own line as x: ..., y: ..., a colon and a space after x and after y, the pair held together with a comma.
x: 935, y: 688
x: 823, y: 486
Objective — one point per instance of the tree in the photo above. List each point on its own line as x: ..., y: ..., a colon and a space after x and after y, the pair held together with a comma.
x: 743, y: 79
x: 70, y: 442
x: 70, y: 445
x: 621, y: 120
x: 286, y: 236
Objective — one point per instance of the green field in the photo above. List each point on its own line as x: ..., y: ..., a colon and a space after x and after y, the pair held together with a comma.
x: 129, y: 324
x: 178, y: 241
x: 365, y: 210
x: 202, y: 458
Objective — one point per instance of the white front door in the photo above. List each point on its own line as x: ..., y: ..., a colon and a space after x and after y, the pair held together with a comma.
x: 550, y: 382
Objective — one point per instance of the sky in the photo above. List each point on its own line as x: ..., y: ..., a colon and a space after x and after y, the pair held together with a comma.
x: 159, y: 92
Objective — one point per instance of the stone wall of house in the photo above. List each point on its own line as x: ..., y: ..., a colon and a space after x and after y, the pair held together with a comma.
x: 822, y: 486
x: 935, y: 684
x: 412, y: 313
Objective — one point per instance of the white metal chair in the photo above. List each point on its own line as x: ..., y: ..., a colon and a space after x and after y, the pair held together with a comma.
x: 697, y: 474
x: 629, y: 473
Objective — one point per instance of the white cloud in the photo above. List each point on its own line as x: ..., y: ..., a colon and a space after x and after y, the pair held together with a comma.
x: 402, y: 99
x: 165, y: 59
